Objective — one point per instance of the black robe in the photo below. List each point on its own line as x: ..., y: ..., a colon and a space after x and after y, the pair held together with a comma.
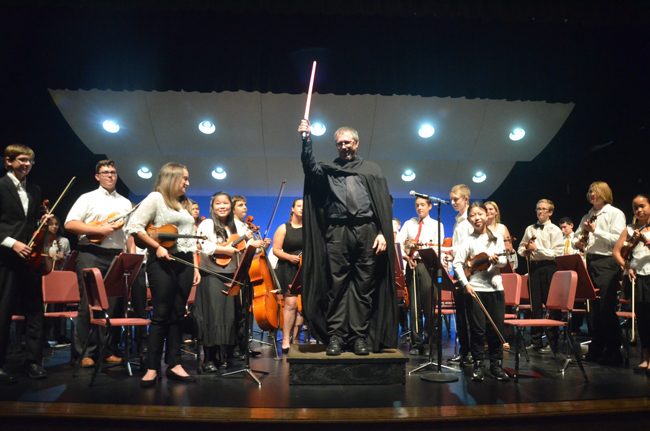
x: 382, y: 332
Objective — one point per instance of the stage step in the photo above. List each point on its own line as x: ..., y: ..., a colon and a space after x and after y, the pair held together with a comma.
x: 309, y: 365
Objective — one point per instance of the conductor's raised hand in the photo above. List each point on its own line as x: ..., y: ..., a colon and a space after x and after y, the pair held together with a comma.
x: 304, y: 127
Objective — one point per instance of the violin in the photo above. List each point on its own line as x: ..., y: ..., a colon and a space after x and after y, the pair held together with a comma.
x: 167, y: 235
x: 400, y: 281
x: 266, y: 308
x: 584, y: 235
x: 36, y: 261
x: 234, y: 240
x: 527, y: 252
x: 630, y: 243
x: 114, y: 217
x: 480, y: 262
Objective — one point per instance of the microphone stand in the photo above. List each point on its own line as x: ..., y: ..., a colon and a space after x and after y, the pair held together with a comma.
x: 438, y: 376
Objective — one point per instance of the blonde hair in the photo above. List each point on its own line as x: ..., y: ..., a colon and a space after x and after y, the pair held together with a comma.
x: 14, y: 150
x: 602, y: 190
x: 169, y: 177
x: 547, y: 202
x: 497, y: 217
x: 462, y: 190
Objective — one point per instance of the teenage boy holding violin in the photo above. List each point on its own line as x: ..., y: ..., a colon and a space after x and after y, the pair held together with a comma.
x: 99, y: 242
x: 19, y: 203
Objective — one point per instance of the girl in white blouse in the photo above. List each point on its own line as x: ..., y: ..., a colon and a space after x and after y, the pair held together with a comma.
x: 170, y: 280
x: 637, y: 268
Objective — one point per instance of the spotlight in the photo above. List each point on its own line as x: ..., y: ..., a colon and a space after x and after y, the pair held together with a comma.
x: 408, y: 175
x: 517, y: 134
x: 318, y: 129
x: 111, y: 126
x: 219, y: 173
x: 145, y: 173
x: 479, y: 177
x: 426, y: 131
x: 207, y: 127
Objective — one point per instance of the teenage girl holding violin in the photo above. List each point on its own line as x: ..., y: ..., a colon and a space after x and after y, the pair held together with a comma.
x: 170, y: 280
x: 57, y: 247
x: 495, y: 225
x: 487, y: 286
x: 215, y: 313
x: 287, y: 247
x: 632, y: 253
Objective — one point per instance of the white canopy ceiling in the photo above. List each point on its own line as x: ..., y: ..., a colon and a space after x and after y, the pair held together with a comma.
x: 257, y: 143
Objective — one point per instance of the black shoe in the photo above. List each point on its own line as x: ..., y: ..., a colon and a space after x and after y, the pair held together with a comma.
x: 497, y: 371
x: 6, y: 378
x: 173, y: 376
x: 361, y: 347
x: 456, y: 359
x: 208, y: 368
x: 478, y: 375
x: 149, y: 383
x: 466, y: 361
x: 334, y: 347
x: 35, y: 371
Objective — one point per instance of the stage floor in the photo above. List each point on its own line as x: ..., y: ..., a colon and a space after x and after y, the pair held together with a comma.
x: 237, y: 398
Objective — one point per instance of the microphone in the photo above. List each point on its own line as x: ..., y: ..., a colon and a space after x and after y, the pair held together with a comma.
x: 429, y: 198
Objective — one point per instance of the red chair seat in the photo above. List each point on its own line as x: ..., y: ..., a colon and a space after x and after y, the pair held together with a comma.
x: 63, y: 314
x: 121, y: 321
x: 624, y: 314
x: 534, y: 322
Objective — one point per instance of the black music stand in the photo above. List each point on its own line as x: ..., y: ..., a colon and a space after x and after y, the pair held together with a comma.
x: 442, y: 281
x: 118, y: 282
x: 241, y: 279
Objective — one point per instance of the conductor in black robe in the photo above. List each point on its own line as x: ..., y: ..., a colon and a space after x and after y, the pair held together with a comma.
x: 348, y: 291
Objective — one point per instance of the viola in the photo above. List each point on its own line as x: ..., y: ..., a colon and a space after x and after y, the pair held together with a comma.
x: 239, y: 242
x: 630, y: 243
x: 481, y: 262
x: 167, y: 235
x: 266, y: 308
x: 114, y: 217
x: 584, y: 236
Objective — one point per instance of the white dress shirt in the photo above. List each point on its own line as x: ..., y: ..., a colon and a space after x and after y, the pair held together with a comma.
x: 21, y: 188
x: 428, y: 234
x: 209, y: 246
x: 640, y: 261
x: 462, y: 229
x: 98, y: 205
x: 481, y: 281
x: 610, y: 222
x: 549, y: 241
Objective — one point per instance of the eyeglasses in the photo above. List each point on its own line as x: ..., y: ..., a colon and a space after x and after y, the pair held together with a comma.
x: 25, y: 160
x: 542, y: 209
x: 107, y: 173
x: 344, y: 143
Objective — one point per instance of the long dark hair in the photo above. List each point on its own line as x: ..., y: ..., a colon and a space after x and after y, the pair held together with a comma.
x: 219, y: 227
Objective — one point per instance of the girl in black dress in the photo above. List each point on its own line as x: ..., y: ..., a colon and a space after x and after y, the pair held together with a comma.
x: 287, y: 247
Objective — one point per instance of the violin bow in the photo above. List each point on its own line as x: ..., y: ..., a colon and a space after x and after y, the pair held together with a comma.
x: 505, y: 344
x: 209, y: 271
x: 51, y: 210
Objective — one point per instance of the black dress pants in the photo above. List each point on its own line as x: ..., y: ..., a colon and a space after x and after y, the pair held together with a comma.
x: 480, y: 328
x: 605, y: 274
x: 540, y: 276
x: 170, y: 283
x: 420, y: 305
x: 352, y: 262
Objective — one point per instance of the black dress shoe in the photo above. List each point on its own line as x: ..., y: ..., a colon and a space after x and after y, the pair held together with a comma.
x: 208, y: 367
x: 6, y: 378
x: 335, y: 346
x: 456, y: 359
x: 361, y: 347
x: 35, y: 371
x: 478, y: 375
x: 173, y: 376
x: 497, y: 372
x: 149, y: 383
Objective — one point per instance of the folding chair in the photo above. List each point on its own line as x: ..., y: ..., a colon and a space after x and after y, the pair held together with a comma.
x: 61, y: 288
x: 561, y: 297
x: 98, y: 306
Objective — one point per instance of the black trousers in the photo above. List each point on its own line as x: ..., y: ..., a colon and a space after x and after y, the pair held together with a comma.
x: 420, y: 305
x: 462, y: 302
x: 642, y: 309
x: 606, y: 335
x: 20, y: 293
x: 352, y: 264
x: 170, y: 284
x: 88, y: 259
x: 139, y: 305
x: 540, y: 276
x: 480, y: 328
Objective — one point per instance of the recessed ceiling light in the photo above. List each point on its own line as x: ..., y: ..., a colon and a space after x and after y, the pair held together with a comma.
x: 219, y: 173
x: 426, y: 131
x: 408, y: 175
x: 207, y: 127
x: 111, y: 126
x: 318, y: 129
x: 145, y: 172
x: 479, y: 177
x: 517, y: 134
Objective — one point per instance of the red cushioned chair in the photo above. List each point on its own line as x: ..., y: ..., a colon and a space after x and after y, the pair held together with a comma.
x: 98, y: 306
x: 561, y: 297
x: 61, y: 288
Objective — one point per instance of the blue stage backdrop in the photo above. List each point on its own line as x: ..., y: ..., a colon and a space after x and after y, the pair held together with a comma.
x: 261, y: 208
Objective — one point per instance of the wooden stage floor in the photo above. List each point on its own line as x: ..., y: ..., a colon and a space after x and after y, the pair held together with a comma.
x: 612, y: 397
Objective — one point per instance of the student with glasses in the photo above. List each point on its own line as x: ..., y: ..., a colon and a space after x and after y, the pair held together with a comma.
x: 99, y: 242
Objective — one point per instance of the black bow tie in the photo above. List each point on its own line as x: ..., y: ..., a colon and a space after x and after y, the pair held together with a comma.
x: 539, y: 226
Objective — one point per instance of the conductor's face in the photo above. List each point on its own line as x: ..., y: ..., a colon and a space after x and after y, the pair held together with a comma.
x: 346, y: 145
